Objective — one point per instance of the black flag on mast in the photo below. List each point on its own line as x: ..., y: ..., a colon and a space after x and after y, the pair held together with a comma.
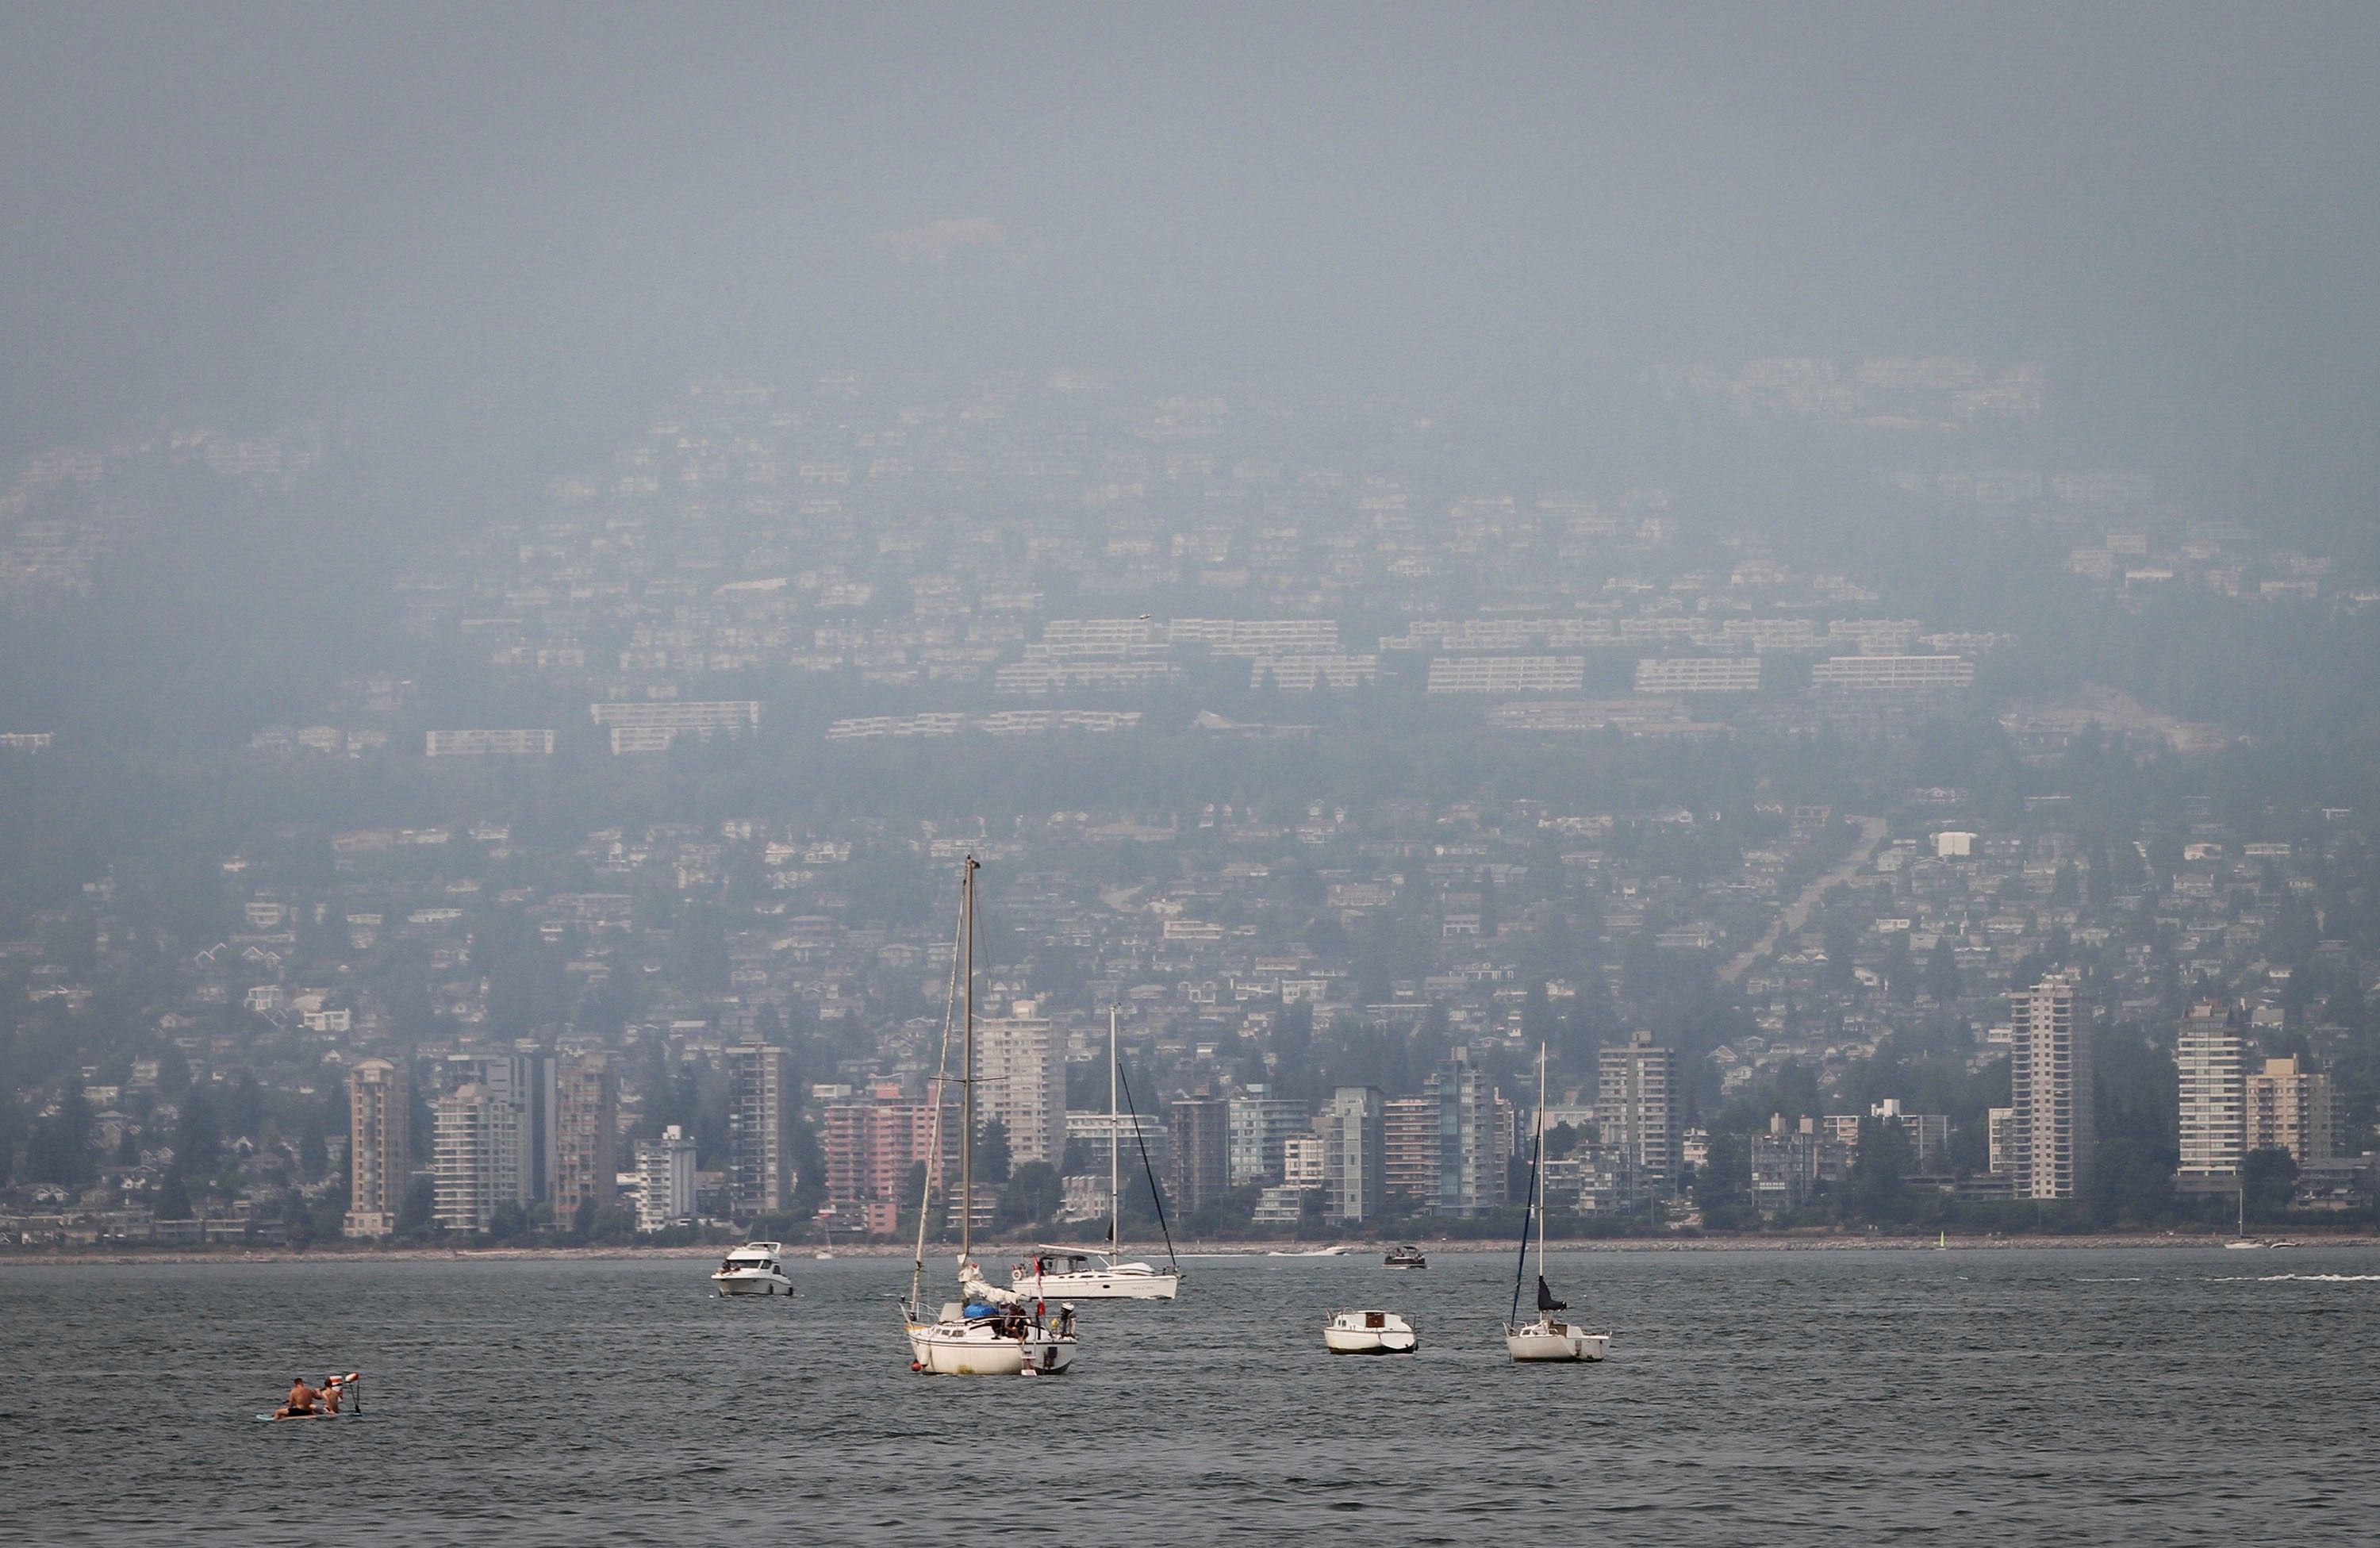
x: 1546, y: 1301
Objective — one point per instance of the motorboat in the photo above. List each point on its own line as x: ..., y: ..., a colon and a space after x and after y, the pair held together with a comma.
x: 1405, y: 1257
x: 988, y: 1331
x: 1310, y: 1252
x: 1095, y: 1273
x: 1370, y: 1333
x: 1087, y: 1273
x: 1548, y: 1338
x: 757, y: 1268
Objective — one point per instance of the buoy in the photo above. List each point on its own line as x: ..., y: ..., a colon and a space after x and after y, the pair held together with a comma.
x: 915, y: 1366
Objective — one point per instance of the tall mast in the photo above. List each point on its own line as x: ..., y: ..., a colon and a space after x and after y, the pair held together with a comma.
x: 1537, y: 1159
x: 1115, y: 1146
x: 966, y: 1079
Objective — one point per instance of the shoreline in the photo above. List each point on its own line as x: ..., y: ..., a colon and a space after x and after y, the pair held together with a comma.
x: 61, y: 1257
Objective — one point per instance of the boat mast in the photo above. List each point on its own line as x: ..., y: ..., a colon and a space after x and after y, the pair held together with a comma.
x: 1536, y: 1155
x: 941, y: 1091
x: 966, y: 1079
x: 1115, y: 1146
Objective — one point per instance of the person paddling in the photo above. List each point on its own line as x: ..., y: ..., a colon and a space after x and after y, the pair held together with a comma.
x: 300, y: 1402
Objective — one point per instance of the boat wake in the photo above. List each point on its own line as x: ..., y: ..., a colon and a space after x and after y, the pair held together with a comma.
x: 2303, y: 1278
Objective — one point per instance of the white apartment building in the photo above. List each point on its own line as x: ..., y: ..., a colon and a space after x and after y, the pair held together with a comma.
x: 2211, y: 1056
x: 1893, y: 672
x: 490, y: 743
x: 665, y: 1180
x: 1507, y: 673
x: 1698, y: 675
x: 1020, y: 1069
x: 2050, y: 1081
x: 476, y: 1155
x: 1640, y: 1111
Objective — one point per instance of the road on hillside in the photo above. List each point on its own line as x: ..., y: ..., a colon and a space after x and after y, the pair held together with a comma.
x: 1797, y: 913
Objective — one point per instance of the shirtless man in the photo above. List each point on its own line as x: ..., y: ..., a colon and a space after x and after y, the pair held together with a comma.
x: 301, y: 1400
x: 332, y: 1392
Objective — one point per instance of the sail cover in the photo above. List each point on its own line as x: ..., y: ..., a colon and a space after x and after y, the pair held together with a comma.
x: 1546, y: 1301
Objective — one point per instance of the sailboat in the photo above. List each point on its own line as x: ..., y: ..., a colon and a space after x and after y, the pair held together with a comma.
x: 1102, y: 1273
x: 988, y: 1331
x: 1548, y: 1338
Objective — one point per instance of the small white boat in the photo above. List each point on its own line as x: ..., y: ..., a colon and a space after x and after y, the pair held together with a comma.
x: 1405, y: 1257
x: 1370, y: 1333
x: 1087, y: 1273
x: 757, y: 1268
x: 1311, y: 1252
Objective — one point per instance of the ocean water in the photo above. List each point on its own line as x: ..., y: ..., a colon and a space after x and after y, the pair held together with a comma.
x: 1750, y: 1398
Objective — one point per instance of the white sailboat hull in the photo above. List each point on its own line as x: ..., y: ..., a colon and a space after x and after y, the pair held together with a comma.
x: 752, y: 1282
x: 978, y: 1348
x: 1095, y: 1285
x: 1370, y: 1333
x: 1550, y: 1341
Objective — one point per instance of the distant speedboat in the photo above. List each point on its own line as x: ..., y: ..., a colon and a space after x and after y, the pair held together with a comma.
x: 1405, y: 1257
x: 1311, y: 1252
x: 1370, y: 1333
x: 757, y: 1268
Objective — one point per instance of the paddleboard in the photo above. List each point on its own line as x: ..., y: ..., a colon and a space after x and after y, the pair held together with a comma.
x: 281, y: 1418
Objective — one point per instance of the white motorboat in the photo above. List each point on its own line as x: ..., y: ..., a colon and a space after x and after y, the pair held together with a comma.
x: 988, y: 1331
x: 1370, y: 1333
x: 1095, y: 1273
x: 1310, y: 1252
x: 757, y: 1268
x: 1087, y: 1273
x: 1405, y: 1257
x: 1548, y: 1338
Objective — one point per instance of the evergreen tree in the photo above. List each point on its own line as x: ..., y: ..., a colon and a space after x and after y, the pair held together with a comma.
x: 173, y: 1195
x: 60, y: 1149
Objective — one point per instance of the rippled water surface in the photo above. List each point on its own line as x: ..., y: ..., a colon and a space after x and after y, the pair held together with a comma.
x: 1767, y: 1398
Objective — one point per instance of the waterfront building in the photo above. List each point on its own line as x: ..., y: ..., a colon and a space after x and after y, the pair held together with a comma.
x: 1020, y: 1071
x: 1640, y: 1111
x: 1201, y: 1151
x: 1258, y: 1126
x: 2291, y: 1108
x: 756, y: 1184
x: 1468, y: 1176
x: 586, y: 1134
x: 1354, y: 1158
x: 870, y: 1147
x: 665, y: 1180
x: 476, y: 1156
x: 1409, y: 1148
x: 2049, y: 1084
x: 2210, y: 1054
x: 379, y: 1102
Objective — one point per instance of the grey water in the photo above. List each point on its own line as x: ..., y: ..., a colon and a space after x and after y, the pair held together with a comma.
x: 1750, y: 1396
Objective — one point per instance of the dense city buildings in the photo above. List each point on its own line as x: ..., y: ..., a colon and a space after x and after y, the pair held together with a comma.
x: 1322, y: 764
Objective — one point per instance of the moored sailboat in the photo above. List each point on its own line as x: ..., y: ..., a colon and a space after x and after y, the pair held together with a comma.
x: 1548, y: 1338
x: 1102, y: 1273
x: 988, y: 1331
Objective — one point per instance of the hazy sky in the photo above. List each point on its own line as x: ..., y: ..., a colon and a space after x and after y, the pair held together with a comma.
x: 269, y: 205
